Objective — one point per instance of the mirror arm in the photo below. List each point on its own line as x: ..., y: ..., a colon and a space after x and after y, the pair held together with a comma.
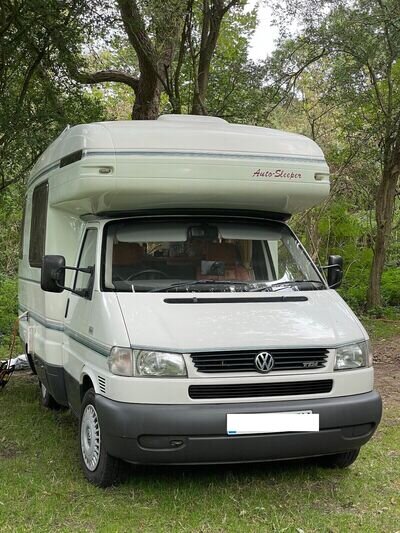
x: 80, y: 292
x: 325, y: 267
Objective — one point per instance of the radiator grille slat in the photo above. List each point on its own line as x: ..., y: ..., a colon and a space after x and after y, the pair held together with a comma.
x: 254, y: 390
x: 244, y: 360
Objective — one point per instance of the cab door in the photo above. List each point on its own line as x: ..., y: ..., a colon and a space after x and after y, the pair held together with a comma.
x: 80, y: 316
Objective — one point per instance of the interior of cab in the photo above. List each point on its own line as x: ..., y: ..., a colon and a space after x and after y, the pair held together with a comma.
x: 144, y: 256
x: 193, y: 260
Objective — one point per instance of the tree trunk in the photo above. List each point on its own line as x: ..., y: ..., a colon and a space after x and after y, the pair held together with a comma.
x: 147, y: 99
x: 384, y: 211
x: 211, y: 27
x: 200, y: 92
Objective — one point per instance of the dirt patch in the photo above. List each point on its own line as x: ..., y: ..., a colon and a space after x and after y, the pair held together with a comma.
x: 387, y: 369
x: 8, y: 450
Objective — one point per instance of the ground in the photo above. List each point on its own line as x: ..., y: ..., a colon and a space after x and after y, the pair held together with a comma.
x: 42, y: 488
x: 387, y: 370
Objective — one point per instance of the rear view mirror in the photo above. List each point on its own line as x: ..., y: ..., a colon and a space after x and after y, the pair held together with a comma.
x: 203, y: 232
x: 335, y: 271
x: 53, y: 273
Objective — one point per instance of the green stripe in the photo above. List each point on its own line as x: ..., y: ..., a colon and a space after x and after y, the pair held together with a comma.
x: 100, y: 348
x: 49, y: 324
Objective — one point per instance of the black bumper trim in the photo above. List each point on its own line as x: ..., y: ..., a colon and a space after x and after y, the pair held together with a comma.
x: 195, y: 434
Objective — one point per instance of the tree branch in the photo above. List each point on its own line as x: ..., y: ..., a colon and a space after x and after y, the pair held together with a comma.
x: 135, y: 28
x: 107, y: 76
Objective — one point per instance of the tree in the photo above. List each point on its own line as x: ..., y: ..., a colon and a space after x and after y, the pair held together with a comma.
x: 164, y: 36
x: 39, y: 101
x: 233, y: 90
x: 361, y: 38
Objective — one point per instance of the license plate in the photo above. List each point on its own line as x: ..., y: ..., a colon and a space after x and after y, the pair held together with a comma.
x: 245, y: 424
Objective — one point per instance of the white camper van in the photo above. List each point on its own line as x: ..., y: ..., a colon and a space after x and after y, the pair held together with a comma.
x: 170, y: 306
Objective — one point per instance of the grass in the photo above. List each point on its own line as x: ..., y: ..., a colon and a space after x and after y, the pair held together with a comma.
x: 42, y: 487
x: 380, y: 329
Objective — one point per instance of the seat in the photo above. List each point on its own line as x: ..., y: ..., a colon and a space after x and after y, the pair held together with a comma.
x: 127, y: 259
x: 229, y: 254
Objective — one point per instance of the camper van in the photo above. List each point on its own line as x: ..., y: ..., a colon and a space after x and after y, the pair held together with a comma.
x: 168, y: 304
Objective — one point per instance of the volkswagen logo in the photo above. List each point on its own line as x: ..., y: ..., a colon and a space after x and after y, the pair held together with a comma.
x: 264, y: 362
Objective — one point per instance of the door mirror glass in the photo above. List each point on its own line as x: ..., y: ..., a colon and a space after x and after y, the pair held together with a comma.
x: 53, y: 273
x: 335, y: 271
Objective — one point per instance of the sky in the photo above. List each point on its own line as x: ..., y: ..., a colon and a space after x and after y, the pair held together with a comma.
x: 262, y: 43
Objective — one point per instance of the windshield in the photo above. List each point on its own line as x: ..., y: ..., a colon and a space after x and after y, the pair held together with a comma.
x: 206, y: 255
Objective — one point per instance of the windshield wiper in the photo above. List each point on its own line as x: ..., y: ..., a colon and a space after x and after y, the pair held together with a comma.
x: 189, y: 284
x: 283, y: 284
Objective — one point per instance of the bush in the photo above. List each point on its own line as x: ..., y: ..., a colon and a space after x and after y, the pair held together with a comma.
x: 391, y: 286
x: 8, y: 308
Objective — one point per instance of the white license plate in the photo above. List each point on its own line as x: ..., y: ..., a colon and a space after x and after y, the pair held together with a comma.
x: 242, y: 424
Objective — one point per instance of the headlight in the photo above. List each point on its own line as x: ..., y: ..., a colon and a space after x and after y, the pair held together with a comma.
x: 120, y: 361
x: 162, y: 364
x: 352, y: 356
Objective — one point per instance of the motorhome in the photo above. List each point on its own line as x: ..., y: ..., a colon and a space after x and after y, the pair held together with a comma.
x: 169, y: 305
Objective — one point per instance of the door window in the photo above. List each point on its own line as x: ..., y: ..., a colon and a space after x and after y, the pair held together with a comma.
x: 87, y: 258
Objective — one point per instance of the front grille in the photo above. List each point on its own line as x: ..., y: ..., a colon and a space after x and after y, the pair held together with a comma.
x: 255, y: 390
x: 244, y: 361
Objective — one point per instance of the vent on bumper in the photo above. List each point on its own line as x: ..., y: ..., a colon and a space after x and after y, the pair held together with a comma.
x: 244, y: 361
x: 255, y: 390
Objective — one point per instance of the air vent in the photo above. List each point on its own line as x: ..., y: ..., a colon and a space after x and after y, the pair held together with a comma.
x: 257, y: 390
x: 102, y: 384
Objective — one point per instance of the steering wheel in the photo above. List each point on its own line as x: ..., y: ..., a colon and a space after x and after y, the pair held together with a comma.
x: 146, y: 272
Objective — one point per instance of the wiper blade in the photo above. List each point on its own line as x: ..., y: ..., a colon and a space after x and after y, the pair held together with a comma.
x: 279, y: 285
x: 189, y: 284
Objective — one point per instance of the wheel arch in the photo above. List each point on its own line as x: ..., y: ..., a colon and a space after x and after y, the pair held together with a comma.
x: 88, y: 380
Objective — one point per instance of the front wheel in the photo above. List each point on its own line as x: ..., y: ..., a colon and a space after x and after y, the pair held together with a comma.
x: 340, y: 460
x: 99, y: 468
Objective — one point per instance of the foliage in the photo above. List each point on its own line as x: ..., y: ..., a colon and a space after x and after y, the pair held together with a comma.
x: 39, y: 100
x: 356, y: 45
x: 10, y: 228
x: 343, y: 228
x: 8, y: 308
x: 391, y: 287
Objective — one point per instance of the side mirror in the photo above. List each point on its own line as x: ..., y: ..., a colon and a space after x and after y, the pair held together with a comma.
x: 53, y: 273
x: 335, y: 271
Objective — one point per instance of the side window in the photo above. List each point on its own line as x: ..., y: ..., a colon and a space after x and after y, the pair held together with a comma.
x: 288, y: 268
x: 38, y: 224
x: 21, y: 233
x: 87, y: 258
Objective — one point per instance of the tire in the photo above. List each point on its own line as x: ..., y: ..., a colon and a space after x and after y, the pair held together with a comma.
x: 98, y: 466
x: 31, y: 363
x: 46, y: 399
x: 340, y: 460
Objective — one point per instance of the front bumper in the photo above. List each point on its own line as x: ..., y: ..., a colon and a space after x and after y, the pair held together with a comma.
x: 195, y: 434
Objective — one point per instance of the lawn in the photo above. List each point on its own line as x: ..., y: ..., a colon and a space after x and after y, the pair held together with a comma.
x: 42, y: 488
